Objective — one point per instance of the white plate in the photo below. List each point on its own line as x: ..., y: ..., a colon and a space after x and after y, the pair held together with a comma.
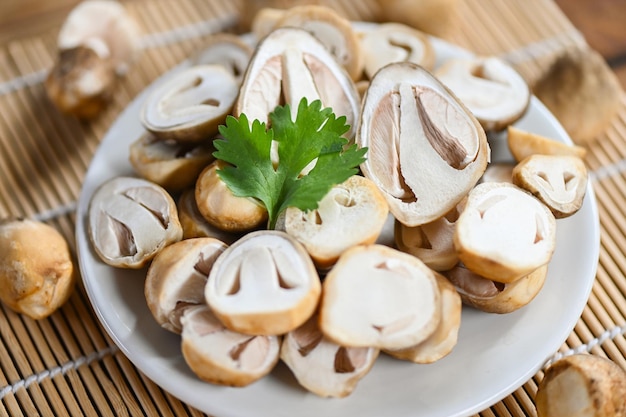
x: 495, y: 354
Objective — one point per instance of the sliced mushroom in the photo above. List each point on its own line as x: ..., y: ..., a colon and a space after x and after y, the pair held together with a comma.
x: 432, y: 243
x: 560, y: 182
x: 523, y: 144
x: 228, y: 50
x: 426, y: 150
x: 582, y: 385
x: 496, y: 297
x: 395, y: 42
x: 376, y: 296
x: 264, y: 21
x: 193, y: 222
x: 265, y: 283
x: 106, y: 23
x: 436, y: 17
x: 176, y: 279
x: 36, y: 268
x: 504, y: 232
x: 321, y: 366
x: 333, y: 30
x: 131, y: 220
x: 492, y: 89
x: 191, y: 104
x: 498, y: 172
x: 444, y: 338
x: 221, y: 356
x: 221, y: 208
x: 352, y: 213
x: 582, y: 92
x: 173, y: 165
x: 290, y: 64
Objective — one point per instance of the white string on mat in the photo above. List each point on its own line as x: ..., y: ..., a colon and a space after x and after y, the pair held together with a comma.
x: 58, y: 370
x: 152, y: 40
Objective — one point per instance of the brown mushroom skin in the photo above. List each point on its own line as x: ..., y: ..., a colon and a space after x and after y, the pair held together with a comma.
x: 36, y: 268
x: 582, y: 385
x: 81, y: 82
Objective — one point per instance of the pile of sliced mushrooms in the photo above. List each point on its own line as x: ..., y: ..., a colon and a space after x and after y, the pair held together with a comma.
x: 327, y: 291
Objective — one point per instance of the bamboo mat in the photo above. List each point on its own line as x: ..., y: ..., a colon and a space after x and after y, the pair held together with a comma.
x: 67, y: 365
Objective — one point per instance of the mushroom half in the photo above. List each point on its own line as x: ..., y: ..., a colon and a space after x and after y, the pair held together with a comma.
x: 376, y: 296
x: 352, y: 213
x: 264, y: 284
x: 321, y: 366
x: 224, y: 357
x: 523, y: 144
x: 191, y: 104
x: 176, y: 278
x: 131, y: 220
x: 227, y: 50
x: 288, y: 65
x: 504, y: 232
x: 425, y: 149
x: 493, y: 91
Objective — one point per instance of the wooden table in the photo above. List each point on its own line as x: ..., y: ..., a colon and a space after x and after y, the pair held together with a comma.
x: 67, y: 364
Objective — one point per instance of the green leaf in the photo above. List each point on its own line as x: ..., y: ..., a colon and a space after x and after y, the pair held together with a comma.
x: 315, y: 135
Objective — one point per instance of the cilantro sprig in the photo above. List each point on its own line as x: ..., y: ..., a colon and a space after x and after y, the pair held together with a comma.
x: 316, y: 133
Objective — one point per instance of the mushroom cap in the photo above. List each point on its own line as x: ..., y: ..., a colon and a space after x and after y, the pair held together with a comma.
x: 504, y: 232
x: 106, y: 22
x: 582, y: 385
x: 321, y: 366
x: 221, y: 356
x: 131, y: 220
x: 559, y: 181
x: 496, y: 297
x: 191, y: 104
x: 333, y: 30
x: 376, y: 296
x: 444, y: 338
x: 176, y: 278
x: 289, y: 64
x: 221, y: 208
x: 36, y: 268
x: 194, y: 224
x: 523, y: 144
x: 493, y: 91
x: 173, y: 165
x: 264, y: 283
x: 425, y: 149
x: 352, y: 213
x: 395, y: 42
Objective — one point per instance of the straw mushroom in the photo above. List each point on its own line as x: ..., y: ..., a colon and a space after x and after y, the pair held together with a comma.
x: 131, y: 220
x: 173, y: 165
x: 582, y: 385
x: 288, y: 65
x: 436, y: 17
x: 350, y: 214
x: 426, y: 150
x: 221, y: 208
x: 444, y: 338
x: 321, y: 366
x: 227, y: 50
x: 221, y: 356
x: 333, y: 30
x: 97, y: 41
x: 376, y: 296
x: 191, y: 104
x: 36, y: 268
x: 559, y: 181
x: 395, y: 42
x: 523, y: 144
x: 496, y: 297
x: 176, y: 278
x: 504, y: 233
x: 493, y: 91
x: 265, y: 283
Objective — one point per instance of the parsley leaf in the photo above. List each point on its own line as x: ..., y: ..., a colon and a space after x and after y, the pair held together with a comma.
x: 315, y: 134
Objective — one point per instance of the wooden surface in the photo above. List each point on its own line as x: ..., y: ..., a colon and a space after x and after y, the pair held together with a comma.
x: 600, y: 21
x: 67, y: 364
